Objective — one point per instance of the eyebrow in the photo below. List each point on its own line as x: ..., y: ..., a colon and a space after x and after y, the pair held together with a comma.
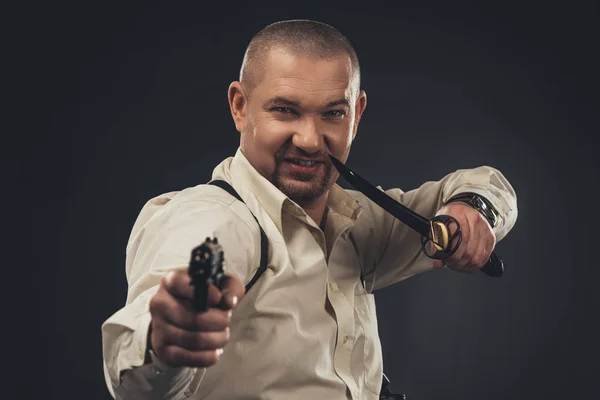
x: 340, y: 102
x: 280, y: 100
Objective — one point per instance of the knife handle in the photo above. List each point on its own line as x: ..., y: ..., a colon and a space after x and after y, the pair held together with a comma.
x: 448, y: 243
x: 494, y: 267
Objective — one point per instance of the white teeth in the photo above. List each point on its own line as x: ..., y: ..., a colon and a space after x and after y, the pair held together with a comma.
x: 306, y: 163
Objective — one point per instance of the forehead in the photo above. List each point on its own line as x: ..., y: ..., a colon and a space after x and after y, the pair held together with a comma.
x: 293, y: 75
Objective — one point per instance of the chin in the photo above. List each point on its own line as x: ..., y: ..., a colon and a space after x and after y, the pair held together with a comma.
x: 301, y: 191
x: 302, y: 188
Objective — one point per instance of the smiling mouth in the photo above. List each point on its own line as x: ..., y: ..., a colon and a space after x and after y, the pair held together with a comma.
x: 303, y: 169
x: 306, y: 163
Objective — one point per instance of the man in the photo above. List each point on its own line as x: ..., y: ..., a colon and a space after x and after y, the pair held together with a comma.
x: 307, y: 328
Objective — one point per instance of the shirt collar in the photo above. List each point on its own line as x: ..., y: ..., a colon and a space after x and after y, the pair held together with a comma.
x: 343, y: 204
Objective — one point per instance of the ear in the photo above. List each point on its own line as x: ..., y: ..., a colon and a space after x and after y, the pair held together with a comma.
x: 237, y: 104
x: 359, y: 108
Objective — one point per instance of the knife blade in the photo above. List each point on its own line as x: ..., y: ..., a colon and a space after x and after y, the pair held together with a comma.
x: 436, y: 230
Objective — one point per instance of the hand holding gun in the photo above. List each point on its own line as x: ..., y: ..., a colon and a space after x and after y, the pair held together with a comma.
x: 191, y: 311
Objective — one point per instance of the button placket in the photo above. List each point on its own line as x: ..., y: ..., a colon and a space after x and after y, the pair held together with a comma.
x: 343, y: 348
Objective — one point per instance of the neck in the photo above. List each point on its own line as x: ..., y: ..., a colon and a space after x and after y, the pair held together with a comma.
x: 316, y: 209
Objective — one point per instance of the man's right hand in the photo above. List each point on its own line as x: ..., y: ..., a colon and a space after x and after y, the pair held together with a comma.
x: 183, y: 337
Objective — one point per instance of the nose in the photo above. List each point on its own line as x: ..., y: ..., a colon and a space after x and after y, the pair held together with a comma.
x: 307, y: 137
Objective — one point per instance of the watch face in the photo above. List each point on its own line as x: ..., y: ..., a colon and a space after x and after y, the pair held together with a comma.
x: 482, y: 206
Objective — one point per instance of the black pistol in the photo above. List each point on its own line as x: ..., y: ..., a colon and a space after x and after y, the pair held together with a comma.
x: 205, y: 269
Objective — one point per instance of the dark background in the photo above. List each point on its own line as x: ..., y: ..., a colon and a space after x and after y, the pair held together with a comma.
x: 114, y: 103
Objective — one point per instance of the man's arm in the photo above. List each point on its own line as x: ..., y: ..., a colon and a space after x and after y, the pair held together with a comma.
x: 391, y: 251
x: 162, y: 239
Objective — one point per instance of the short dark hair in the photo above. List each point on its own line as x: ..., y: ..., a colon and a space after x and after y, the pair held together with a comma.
x: 300, y: 37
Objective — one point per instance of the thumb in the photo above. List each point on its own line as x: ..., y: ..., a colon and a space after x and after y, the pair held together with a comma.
x: 232, y: 290
x: 438, y: 263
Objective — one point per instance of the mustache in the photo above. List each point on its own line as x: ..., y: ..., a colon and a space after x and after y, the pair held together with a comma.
x: 286, y: 152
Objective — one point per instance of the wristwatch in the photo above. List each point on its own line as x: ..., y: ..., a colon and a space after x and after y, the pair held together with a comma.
x: 479, y: 203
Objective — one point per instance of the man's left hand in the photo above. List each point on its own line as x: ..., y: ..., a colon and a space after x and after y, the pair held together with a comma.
x: 478, y: 239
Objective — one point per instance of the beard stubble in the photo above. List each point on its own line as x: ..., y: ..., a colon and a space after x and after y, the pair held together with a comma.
x: 298, y: 187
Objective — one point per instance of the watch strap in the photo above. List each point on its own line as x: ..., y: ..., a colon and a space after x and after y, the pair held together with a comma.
x: 479, y: 203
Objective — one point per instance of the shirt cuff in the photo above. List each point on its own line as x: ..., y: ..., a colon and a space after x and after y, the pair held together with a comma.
x: 155, y: 380
x: 493, y: 186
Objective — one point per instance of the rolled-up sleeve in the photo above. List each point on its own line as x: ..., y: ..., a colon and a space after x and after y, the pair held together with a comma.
x: 391, y: 251
x: 162, y: 239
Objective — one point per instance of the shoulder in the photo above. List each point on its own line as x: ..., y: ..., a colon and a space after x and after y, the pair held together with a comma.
x: 211, y: 205
x: 171, y: 224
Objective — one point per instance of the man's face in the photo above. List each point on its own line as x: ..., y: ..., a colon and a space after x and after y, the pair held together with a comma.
x: 302, y: 110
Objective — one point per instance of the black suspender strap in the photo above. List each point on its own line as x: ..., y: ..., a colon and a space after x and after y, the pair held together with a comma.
x: 264, y: 243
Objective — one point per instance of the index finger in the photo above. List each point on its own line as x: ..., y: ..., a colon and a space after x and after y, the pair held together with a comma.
x: 233, y: 291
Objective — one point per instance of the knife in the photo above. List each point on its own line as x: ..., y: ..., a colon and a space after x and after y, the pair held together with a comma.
x: 435, y: 231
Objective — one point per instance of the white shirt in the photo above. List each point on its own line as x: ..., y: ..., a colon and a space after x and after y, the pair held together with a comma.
x: 308, y: 328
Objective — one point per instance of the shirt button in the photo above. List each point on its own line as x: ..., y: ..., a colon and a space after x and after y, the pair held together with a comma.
x: 331, y: 287
x: 345, y: 340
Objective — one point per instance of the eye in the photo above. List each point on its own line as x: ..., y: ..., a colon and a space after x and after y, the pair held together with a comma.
x: 335, y: 113
x: 284, y: 110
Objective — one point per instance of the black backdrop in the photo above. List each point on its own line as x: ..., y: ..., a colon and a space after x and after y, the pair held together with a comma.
x: 113, y: 103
